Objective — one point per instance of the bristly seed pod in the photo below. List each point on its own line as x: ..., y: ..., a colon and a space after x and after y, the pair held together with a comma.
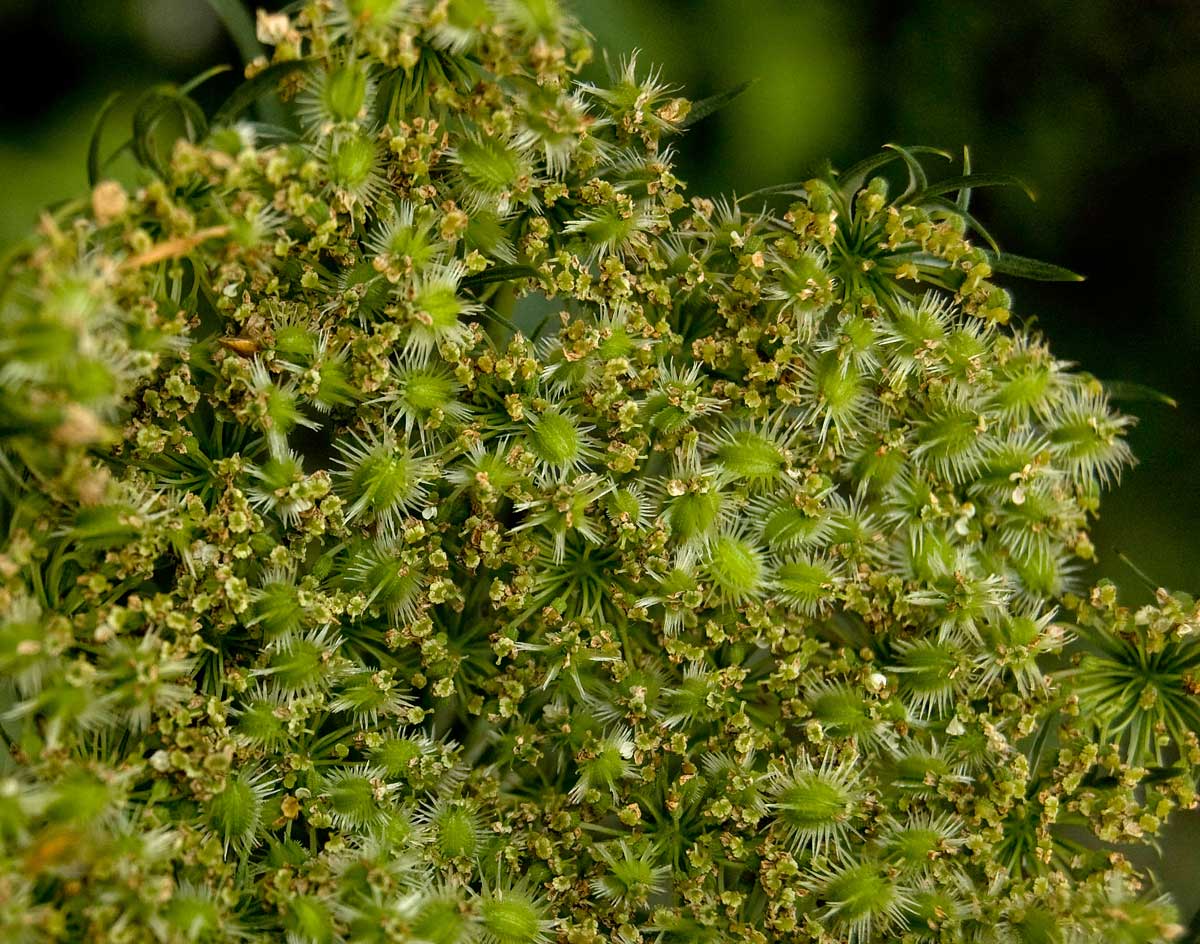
x: 431, y: 523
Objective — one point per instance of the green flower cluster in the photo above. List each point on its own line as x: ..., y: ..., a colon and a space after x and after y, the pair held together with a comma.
x: 423, y: 522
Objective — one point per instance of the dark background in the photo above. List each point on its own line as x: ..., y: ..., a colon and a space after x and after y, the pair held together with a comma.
x: 1095, y: 104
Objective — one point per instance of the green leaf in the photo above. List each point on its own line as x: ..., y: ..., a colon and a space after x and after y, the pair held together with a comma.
x: 1151, y: 585
x: 1038, y: 748
x: 504, y: 273
x: 152, y: 108
x: 94, y: 165
x: 916, y: 173
x: 921, y: 259
x: 964, y: 196
x: 1124, y: 391
x: 271, y: 134
x: 240, y: 25
x: 238, y: 21
x: 969, y: 182
x: 793, y: 189
x: 1005, y: 263
x: 490, y: 314
x: 192, y: 84
x: 146, y: 115
x: 707, y: 106
x: 853, y: 178
x: 542, y: 325
x: 252, y: 90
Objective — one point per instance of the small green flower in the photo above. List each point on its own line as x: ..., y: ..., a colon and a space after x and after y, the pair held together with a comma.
x: 298, y: 664
x: 309, y: 921
x: 391, y: 584
x: 355, y: 796
x: 861, y: 900
x: 462, y: 25
x: 807, y: 584
x: 603, y: 765
x: 435, y: 310
x: 234, y: 814
x: 370, y: 19
x: 1086, y: 436
x: 495, y: 173
x: 341, y: 96
x: 195, y: 914
x: 441, y: 917
x: 453, y: 826
x: 735, y: 567
x: 754, y: 456
x: 407, y: 243
x: 815, y: 806
x: 560, y: 443
x: 383, y: 479
x: 352, y: 162
x: 512, y: 916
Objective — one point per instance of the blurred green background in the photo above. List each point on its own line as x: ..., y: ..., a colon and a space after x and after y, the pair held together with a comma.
x: 1094, y: 103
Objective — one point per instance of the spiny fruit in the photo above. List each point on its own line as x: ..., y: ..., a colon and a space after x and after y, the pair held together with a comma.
x: 423, y: 521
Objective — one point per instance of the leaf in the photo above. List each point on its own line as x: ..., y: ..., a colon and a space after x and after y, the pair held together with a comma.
x: 152, y: 107
x: 505, y: 273
x: 856, y: 175
x: 126, y: 145
x: 457, y: 69
x: 542, y: 325
x: 1040, y: 740
x: 1151, y: 585
x: 192, y: 84
x: 921, y: 259
x: 1127, y: 392
x: 252, y: 90
x: 94, y: 165
x: 708, y: 106
x: 271, y: 134
x: 969, y: 182
x: 963, y: 201
x: 237, y: 20
x: 793, y: 189
x: 1005, y: 263
x: 491, y: 314
x: 916, y: 173
x: 146, y: 115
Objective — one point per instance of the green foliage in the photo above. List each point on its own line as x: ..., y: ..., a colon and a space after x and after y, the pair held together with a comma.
x: 424, y: 523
